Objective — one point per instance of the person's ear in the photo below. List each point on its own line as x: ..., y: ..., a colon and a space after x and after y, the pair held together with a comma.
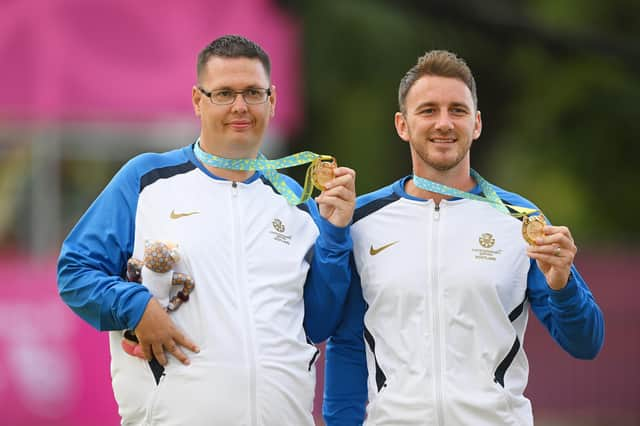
x: 477, y: 127
x: 196, y: 97
x: 272, y: 100
x: 401, y: 126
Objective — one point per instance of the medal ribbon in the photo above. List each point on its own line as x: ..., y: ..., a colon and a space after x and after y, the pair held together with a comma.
x: 490, y: 194
x: 269, y: 168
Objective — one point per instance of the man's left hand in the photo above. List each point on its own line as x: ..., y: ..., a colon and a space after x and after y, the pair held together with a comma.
x: 554, y: 254
x: 337, y: 202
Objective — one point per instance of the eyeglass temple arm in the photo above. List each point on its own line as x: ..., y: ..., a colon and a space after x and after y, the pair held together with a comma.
x: 204, y: 92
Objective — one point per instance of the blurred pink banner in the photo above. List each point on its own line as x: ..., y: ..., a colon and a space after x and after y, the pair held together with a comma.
x: 54, y: 368
x: 130, y: 60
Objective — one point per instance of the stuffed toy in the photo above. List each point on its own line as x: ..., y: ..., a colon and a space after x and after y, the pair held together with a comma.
x: 156, y: 273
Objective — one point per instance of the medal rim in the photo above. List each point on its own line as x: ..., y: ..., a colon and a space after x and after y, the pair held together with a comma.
x: 529, y: 221
x: 314, y: 174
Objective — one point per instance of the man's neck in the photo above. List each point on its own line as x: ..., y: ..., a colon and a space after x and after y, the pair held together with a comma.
x: 233, y: 175
x: 229, y: 153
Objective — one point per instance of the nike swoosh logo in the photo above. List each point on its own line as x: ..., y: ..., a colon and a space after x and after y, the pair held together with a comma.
x: 175, y: 215
x: 374, y: 251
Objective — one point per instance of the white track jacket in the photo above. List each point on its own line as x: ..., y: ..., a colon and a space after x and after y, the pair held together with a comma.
x: 440, y: 301
x: 262, y: 270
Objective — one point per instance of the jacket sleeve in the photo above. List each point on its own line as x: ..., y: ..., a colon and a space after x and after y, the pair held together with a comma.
x: 345, y: 380
x: 328, y: 278
x: 571, y: 314
x: 93, y: 259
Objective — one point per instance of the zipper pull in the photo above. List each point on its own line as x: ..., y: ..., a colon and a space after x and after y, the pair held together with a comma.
x: 234, y: 188
x: 436, y: 212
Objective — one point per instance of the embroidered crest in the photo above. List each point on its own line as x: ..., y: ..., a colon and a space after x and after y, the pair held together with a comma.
x: 278, y: 225
x: 486, y: 250
x: 278, y: 232
x: 486, y: 240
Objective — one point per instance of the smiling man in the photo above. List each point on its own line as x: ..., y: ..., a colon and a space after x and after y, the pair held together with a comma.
x: 270, y: 276
x: 434, y: 321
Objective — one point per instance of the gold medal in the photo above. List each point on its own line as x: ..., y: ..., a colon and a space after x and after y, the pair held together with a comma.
x: 322, y: 171
x: 533, y: 228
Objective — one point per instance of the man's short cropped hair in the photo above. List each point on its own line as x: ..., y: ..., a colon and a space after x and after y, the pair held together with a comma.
x: 233, y: 46
x: 440, y: 63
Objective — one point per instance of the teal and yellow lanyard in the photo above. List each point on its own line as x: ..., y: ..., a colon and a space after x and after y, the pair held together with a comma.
x: 270, y: 169
x: 490, y: 197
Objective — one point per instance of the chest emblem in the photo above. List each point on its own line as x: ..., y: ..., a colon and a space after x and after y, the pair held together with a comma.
x: 486, y: 241
x: 278, y: 231
x: 278, y: 225
x: 375, y: 251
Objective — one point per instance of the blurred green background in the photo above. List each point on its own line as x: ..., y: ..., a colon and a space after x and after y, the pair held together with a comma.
x: 558, y: 86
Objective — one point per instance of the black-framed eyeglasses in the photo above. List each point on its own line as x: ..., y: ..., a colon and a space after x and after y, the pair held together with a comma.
x: 251, y: 96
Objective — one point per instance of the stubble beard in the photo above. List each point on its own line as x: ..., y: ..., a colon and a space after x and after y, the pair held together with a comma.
x: 441, y: 165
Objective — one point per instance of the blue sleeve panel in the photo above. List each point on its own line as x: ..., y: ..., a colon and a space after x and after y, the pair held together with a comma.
x: 325, y: 289
x: 345, y: 374
x: 93, y: 257
x: 571, y: 314
x: 327, y: 281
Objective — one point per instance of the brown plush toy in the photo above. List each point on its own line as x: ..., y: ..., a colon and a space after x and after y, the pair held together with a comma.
x: 156, y: 273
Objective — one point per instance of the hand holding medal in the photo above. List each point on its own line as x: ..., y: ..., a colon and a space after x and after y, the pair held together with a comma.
x: 322, y: 170
x: 533, y: 228
x: 337, y: 200
x: 552, y: 247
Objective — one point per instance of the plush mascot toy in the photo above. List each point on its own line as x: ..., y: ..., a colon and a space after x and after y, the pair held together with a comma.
x: 156, y: 273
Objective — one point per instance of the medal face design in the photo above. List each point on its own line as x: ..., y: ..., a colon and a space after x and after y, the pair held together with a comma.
x: 532, y: 228
x: 323, y: 172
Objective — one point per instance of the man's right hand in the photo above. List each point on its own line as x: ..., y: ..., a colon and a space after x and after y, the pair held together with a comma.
x: 157, y: 334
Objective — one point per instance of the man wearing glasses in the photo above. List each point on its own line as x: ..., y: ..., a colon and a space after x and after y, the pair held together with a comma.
x: 270, y: 277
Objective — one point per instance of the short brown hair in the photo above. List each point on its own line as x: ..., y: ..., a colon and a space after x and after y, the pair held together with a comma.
x: 233, y: 46
x: 440, y: 63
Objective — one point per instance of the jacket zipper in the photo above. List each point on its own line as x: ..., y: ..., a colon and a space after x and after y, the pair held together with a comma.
x: 243, y: 293
x: 435, y: 318
x: 152, y: 403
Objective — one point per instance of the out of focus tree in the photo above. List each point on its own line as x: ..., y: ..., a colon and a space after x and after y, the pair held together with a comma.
x: 558, y: 84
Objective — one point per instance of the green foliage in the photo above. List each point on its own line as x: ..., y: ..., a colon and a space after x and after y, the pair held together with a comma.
x: 558, y: 84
